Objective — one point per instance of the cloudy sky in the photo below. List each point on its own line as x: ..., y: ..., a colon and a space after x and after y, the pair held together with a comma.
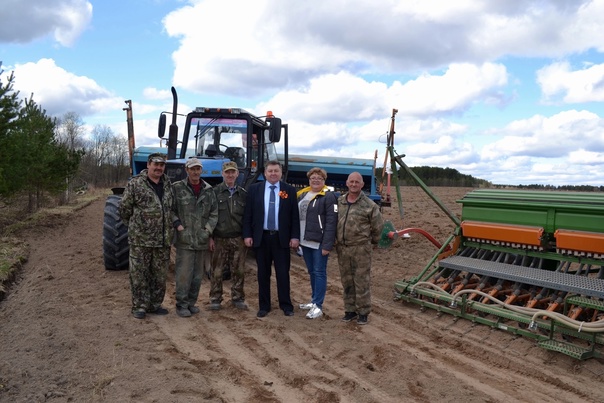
x: 508, y: 91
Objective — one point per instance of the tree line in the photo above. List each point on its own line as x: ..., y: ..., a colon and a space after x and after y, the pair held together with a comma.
x: 435, y: 176
x: 570, y: 188
x: 43, y: 156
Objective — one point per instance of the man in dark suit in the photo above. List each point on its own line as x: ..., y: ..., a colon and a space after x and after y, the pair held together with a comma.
x: 271, y: 225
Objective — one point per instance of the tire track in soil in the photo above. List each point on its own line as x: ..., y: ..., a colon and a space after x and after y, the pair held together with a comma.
x: 195, y: 344
x: 220, y: 350
x: 258, y: 358
x: 268, y: 355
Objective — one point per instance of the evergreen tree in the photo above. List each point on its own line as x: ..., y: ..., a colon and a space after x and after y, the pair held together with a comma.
x: 45, y: 164
x: 10, y: 105
x: 32, y: 160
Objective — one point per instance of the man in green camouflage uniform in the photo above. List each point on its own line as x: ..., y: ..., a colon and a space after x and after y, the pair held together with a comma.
x: 360, y: 225
x: 146, y: 209
x: 196, y: 215
x: 227, y: 245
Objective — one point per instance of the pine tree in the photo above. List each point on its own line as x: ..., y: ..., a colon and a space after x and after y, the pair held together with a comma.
x: 10, y: 105
x: 46, y: 164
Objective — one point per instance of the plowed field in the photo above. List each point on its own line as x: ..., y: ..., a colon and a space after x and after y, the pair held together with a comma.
x: 66, y: 335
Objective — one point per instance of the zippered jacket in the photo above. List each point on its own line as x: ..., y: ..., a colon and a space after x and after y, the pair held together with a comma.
x: 359, y: 223
x: 148, y: 218
x: 230, y: 211
x: 198, y: 215
x: 321, y: 218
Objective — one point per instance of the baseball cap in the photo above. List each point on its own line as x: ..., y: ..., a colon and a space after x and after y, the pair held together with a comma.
x: 229, y: 166
x: 157, y: 157
x: 193, y: 162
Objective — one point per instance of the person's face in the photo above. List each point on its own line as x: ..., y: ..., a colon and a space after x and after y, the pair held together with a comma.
x: 273, y: 173
x: 194, y: 174
x: 316, y: 182
x: 156, y: 170
x: 230, y: 177
x: 355, y: 183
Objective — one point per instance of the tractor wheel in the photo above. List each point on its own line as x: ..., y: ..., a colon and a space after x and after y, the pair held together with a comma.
x: 115, y: 236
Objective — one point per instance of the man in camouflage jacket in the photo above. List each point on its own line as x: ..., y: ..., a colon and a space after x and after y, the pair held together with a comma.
x: 226, y: 244
x: 360, y: 225
x: 146, y: 209
x: 196, y: 214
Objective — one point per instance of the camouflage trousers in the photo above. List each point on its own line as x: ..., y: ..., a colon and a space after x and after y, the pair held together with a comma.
x: 355, y: 273
x: 188, y: 273
x: 148, y: 270
x: 228, y: 252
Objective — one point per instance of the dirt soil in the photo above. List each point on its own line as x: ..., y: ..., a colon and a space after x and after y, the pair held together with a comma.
x: 67, y: 335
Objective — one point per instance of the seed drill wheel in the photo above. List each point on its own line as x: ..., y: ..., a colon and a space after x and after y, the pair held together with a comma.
x: 115, y: 236
x: 386, y: 241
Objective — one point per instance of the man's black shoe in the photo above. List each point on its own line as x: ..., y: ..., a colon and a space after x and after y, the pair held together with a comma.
x: 288, y: 313
x: 160, y: 311
x: 240, y: 304
x: 348, y: 316
x: 139, y: 314
x: 261, y: 314
x: 362, y: 320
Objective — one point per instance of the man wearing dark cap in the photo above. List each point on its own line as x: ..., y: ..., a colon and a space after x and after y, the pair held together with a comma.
x: 196, y: 215
x: 146, y: 208
x: 227, y: 245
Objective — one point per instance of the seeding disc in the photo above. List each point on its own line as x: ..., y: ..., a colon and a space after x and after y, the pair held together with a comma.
x: 385, y: 242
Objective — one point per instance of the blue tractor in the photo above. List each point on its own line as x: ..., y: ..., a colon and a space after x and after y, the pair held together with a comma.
x: 215, y: 136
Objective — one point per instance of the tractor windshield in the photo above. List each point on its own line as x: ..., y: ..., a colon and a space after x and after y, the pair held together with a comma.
x: 220, y: 137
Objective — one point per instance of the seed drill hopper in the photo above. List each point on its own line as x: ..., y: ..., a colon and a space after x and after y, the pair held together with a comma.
x: 526, y: 262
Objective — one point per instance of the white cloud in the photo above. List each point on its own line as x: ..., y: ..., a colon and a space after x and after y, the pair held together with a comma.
x: 546, y: 150
x: 332, y: 103
x: 338, y: 97
x: 584, y: 85
x: 444, y: 151
x: 155, y: 94
x: 452, y: 92
x: 429, y: 129
x: 540, y: 136
x: 59, y: 91
x: 25, y: 21
x: 276, y: 44
x: 584, y: 157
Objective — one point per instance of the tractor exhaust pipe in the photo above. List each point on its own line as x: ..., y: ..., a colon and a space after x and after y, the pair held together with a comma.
x: 173, y: 133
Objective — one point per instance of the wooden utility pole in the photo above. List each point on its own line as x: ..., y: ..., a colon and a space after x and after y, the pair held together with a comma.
x: 386, y: 171
x: 130, y: 133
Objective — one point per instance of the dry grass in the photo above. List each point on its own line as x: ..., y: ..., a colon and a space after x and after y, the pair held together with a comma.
x: 15, y: 223
x: 13, y: 253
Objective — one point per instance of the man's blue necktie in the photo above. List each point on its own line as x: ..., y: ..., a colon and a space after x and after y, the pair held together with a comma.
x: 271, y: 224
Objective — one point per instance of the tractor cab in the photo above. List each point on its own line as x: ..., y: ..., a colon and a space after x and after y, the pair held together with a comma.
x: 218, y: 135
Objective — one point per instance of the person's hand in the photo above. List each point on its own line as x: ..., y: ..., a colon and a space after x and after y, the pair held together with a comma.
x: 294, y: 243
x: 212, y: 245
x: 324, y: 252
x: 180, y: 228
x: 249, y: 242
